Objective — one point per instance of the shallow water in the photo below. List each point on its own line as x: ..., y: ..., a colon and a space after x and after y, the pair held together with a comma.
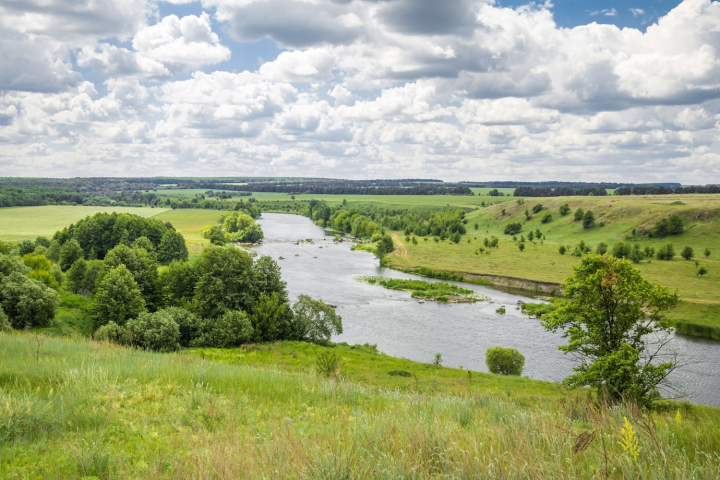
x: 402, y: 327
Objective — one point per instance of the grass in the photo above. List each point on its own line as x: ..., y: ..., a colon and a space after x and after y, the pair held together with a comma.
x: 85, y: 409
x: 425, y: 290
x: 27, y: 223
x: 189, y: 221
x: 542, y: 262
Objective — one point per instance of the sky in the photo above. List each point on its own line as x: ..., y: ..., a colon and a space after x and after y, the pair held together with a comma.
x: 473, y: 90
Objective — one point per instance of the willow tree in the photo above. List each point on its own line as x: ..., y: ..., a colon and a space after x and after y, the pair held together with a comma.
x: 615, y: 326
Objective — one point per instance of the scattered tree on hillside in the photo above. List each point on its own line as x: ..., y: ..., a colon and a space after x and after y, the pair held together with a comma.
x: 588, y: 220
x: 27, y: 302
x: 579, y: 214
x: 666, y: 252
x: 315, y: 321
x: 117, y: 299
x: 601, y: 249
x: 687, y: 253
x: 611, y: 319
x: 564, y: 209
x: 504, y: 361
x: 707, y: 253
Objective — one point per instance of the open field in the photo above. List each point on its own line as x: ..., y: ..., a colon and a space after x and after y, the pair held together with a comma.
x: 81, y: 409
x: 189, y: 221
x: 541, y: 261
x: 398, y: 201
x: 27, y: 223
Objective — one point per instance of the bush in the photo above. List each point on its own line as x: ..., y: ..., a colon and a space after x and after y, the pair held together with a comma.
x: 636, y: 255
x: 562, y: 249
x: 513, y: 228
x: 621, y: 250
x: 588, y: 220
x: 500, y: 310
x: 537, y: 208
x: 327, y: 364
x: 27, y: 302
x: 564, y: 209
x: 112, y: 332
x: 232, y: 329
x: 666, y: 252
x: 315, y: 321
x: 579, y: 214
x: 504, y: 361
x: 547, y: 217
x: 687, y: 253
x: 521, y: 247
x: 601, y: 249
x: 154, y: 331
x: 400, y: 373
x: 188, y: 324
x: 668, y: 226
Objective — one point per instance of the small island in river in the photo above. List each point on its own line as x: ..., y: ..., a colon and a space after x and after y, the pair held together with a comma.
x: 430, y: 291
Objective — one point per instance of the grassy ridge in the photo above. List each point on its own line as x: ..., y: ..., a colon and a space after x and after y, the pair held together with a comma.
x: 27, y: 223
x: 91, y: 410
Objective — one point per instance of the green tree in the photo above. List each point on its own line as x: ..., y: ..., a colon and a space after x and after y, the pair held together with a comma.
x: 269, y: 318
x: 154, y: 331
x: 92, y: 273
x: 10, y: 264
x: 69, y: 252
x: 537, y: 208
x: 224, y: 282
x: 314, y: 321
x: 53, y: 252
x: 143, y: 242
x: 117, y: 298
x: 687, y: 253
x: 547, y: 217
x: 384, y: 246
x: 611, y: 319
x: 188, y: 324
x: 564, y: 209
x: 27, y: 302
x: 504, y: 361
x: 143, y: 267
x: 707, y: 253
x: 562, y: 249
x: 636, y: 254
x: 521, y: 246
x: 76, y: 276
x: 666, y: 252
x: 601, y: 249
x: 579, y: 214
x: 42, y: 241
x: 701, y: 271
x: 621, y: 250
x: 4, y: 322
x: 177, y: 284
x: 588, y: 220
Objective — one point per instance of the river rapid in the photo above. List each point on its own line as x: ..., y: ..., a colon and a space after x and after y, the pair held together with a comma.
x: 402, y: 327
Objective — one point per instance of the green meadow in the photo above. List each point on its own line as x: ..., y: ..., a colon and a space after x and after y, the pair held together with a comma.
x: 27, y: 223
x: 189, y: 221
x: 74, y: 408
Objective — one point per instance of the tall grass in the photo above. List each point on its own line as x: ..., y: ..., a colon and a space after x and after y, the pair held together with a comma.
x: 89, y: 409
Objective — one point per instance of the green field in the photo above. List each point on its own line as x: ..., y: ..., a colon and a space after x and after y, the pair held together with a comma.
x: 189, y: 221
x: 27, y: 223
x: 73, y: 408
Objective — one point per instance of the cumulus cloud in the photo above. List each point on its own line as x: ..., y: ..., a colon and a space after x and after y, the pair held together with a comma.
x: 463, y: 89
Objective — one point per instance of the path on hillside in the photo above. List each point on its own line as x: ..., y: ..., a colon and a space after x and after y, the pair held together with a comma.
x: 399, y: 247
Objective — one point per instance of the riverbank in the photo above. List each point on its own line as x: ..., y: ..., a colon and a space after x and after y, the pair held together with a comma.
x: 92, y: 410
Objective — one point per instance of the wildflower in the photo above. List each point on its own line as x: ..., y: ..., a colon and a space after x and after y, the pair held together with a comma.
x: 678, y: 417
x: 629, y: 441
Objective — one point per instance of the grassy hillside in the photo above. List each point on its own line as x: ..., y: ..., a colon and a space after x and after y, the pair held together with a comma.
x: 87, y: 410
x: 541, y: 261
x: 189, y: 221
x: 27, y: 223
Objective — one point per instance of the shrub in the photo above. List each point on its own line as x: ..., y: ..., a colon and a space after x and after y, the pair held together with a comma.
x: 521, y: 247
x: 437, y: 361
x: 601, y: 249
x: 636, y: 255
x: 547, y: 217
x: 564, y: 209
x: 400, y: 373
x: 327, y: 364
x: 687, y: 253
x: 537, y: 208
x: 701, y: 271
x: 621, y: 250
x: 231, y: 329
x: 111, y: 332
x: 668, y: 226
x: 649, y: 252
x: 27, y: 302
x: 455, y: 238
x: 562, y: 249
x: 666, y: 252
x: 500, y: 310
x: 513, y: 228
x: 4, y: 323
x: 707, y: 253
x: 154, y: 331
x: 579, y: 214
x: 504, y: 361
x: 188, y: 324
x: 588, y: 220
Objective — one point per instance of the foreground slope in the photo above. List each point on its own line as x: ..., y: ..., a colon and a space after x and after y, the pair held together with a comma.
x: 74, y: 408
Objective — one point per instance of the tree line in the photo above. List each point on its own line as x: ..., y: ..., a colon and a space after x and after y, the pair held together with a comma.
x: 562, y: 191
x: 340, y: 189
x: 664, y: 190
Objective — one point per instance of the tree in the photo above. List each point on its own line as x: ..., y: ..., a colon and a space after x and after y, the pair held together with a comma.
x: 69, y: 252
x: 143, y: 267
x: 224, y: 282
x: 117, y: 299
x: 269, y: 318
x: 177, y: 284
x: 314, y: 321
x: 636, y: 255
x: 143, y: 242
x: 564, y: 209
x: 579, y: 214
x: 707, y: 253
x: 701, y: 271
x: 4, y: 322
x: 27, y: 302
x: 588, y: 220
x: 562, y: 249
x: 611, y: 319
x: 687, y: 253
x: 537, y: 208
x: 621, y: 250
x: 601, y: 249
x: 154, y: 331
x: 504, y: 361
x: 10, y: 264
x: 384, y: 246
x: 521, y: 246
x: 547, y: 217
x: 188, y: 324
x: 53, y: 252
x: 666, y: 252
x: 513, y: 228
x: 76, y: 276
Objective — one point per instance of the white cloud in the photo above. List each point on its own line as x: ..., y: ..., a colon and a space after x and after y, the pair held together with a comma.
x: 467, y: 89
x: 636, y: 11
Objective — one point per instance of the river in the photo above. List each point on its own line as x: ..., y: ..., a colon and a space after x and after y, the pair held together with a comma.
x: 402, y: 327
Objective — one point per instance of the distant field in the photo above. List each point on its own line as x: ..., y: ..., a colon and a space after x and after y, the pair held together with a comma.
x: 189, y: 221
x: 21, y: 223
x: 400, y: 201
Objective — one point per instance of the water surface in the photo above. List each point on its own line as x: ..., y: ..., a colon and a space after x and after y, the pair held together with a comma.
x: 402, y: 327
